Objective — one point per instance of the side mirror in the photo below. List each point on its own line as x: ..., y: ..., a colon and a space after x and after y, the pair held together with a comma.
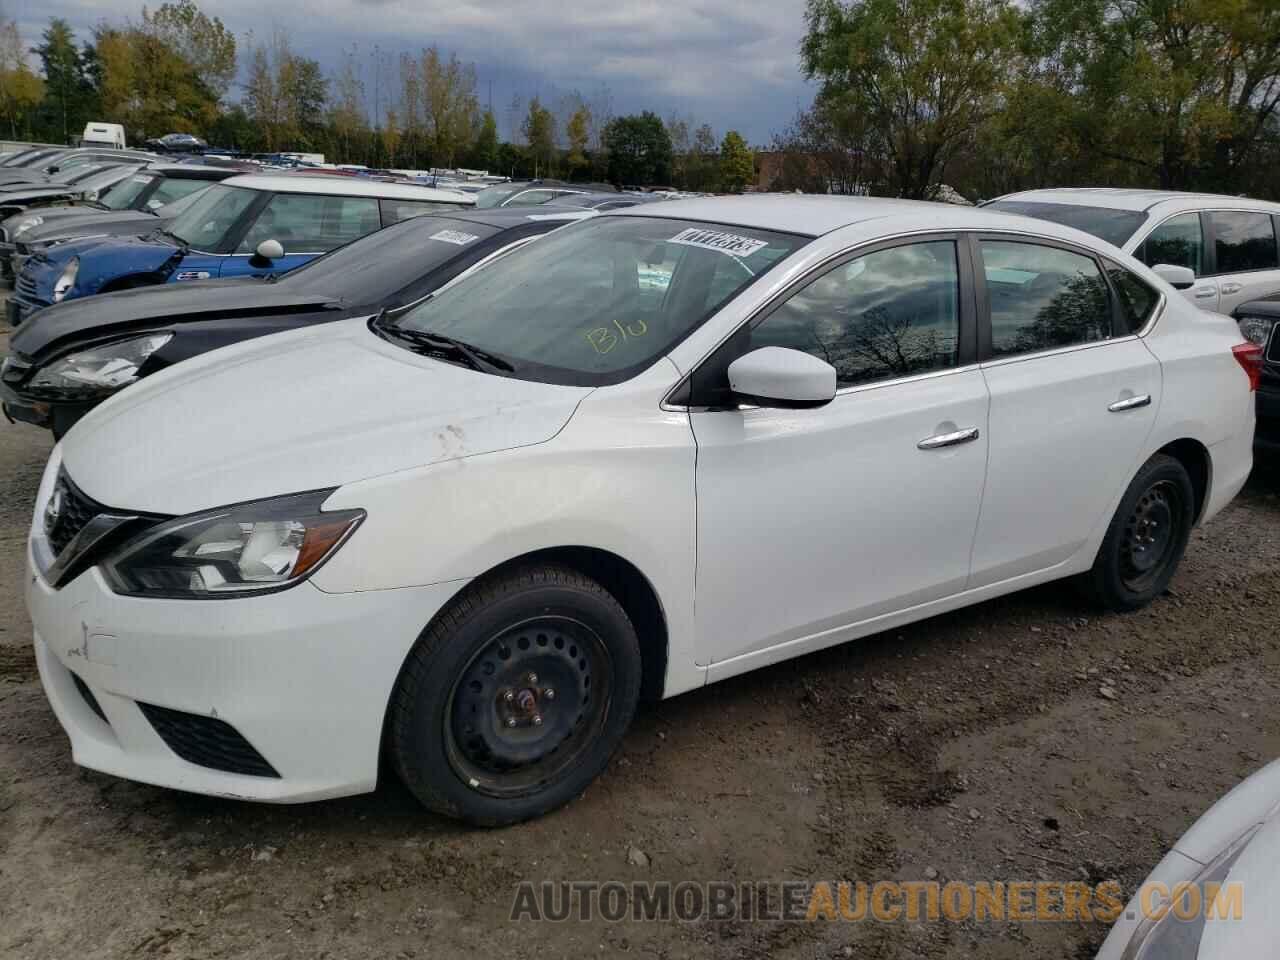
x: 1180, y: 278
x: 780, y: 377
x: 270, y: 250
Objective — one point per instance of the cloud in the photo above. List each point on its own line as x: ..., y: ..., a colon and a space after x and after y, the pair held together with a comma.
x: 725, y: 62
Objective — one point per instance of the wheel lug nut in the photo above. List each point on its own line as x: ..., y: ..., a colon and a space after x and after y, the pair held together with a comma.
x: 537, y: 720
x: 549, y: 694
x: 511, y: 721
x: 533, y: 678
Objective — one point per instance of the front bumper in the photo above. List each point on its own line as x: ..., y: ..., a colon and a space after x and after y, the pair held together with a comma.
x: 56, y: 415
x: 303, y: 676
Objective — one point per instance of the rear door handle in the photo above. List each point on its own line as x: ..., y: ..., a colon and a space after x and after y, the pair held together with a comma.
x: 1130, y: 403
x: 1231, y: 287
x: 948, y: 439
x: 1204, y: 293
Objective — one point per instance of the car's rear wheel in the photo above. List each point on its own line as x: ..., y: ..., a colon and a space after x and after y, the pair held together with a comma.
x: 516, y: 696
x: 1146, y: 538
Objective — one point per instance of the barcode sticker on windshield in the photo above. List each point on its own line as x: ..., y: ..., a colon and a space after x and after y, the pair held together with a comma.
x: 729, y: 243
x: 454, y: 236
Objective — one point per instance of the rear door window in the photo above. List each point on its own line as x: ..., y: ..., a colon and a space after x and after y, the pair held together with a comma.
x: 1178, y: 241
x: 1243, y: 241
x: 1043, y: 298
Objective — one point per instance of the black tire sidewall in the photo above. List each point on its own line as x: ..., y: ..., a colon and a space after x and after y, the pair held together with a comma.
x: 1107, y: 575
x: 420, y: 725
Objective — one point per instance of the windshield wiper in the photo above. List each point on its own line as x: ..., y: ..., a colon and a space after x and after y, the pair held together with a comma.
x: 473, y: 357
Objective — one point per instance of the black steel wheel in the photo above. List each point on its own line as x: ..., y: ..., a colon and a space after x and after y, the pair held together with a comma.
x: 515, y: 696
x: 1146, y: 539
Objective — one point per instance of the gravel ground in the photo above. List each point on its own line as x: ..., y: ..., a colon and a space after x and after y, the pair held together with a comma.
x: 974, y: 746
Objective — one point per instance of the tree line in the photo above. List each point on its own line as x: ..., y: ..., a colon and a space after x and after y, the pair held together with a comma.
x: 176, y: 69
x: 990, y: 96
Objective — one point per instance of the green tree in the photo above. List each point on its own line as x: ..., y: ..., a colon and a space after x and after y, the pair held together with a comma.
x: 452, y: 111
x: 485, y: 152
x: 701, y: 167
x: 639, y: 150
x: 925, y: 72
x: 737, y: 166
x: 68, y: 99
x: 201, y: 42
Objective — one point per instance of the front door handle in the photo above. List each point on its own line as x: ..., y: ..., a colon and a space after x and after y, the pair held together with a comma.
x: 1231, y: 287
x: 1204, y: 293
x: 948, y: 439
x: 1130, y: 403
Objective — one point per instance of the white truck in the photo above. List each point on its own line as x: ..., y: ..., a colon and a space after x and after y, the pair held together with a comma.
x: 103, y: 135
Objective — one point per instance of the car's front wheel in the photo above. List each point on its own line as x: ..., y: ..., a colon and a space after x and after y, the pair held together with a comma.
x: 1146, y: 538
x: 515, y: 697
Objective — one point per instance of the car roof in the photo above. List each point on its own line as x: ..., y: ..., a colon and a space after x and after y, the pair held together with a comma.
x: 348, y: 187
x: 503, y: 218
x: 1124, y: 198
x: 815, y: 214
x: 191, y: 171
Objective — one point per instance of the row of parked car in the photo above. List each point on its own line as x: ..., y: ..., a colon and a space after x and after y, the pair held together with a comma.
x: 472, y: 472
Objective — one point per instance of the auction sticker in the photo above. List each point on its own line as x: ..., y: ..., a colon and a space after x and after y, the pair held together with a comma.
x: 730, y: 243
x: 454, y: 236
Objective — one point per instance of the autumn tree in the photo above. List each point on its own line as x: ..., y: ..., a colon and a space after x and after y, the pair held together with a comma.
x: 451, y: 108
x: 578, y: 131
x: 20, y: 89
x: 539, y: 133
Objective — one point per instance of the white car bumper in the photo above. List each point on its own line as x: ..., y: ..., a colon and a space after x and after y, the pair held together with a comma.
x: 300, y: 677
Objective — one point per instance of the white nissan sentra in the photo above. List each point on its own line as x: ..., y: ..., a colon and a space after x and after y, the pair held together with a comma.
x: 652, y: 450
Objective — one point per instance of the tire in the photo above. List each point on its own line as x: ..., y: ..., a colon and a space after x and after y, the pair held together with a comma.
x: 515, y: 697
x: 1146, y: 539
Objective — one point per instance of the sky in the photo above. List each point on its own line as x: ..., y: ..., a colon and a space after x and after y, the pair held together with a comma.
x: 729, y: 63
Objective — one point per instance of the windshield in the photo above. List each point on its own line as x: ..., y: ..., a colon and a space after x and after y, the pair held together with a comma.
x: 374, y: 267
x: 600, y: 300
x: 76, y: 174
x: 493, y: 196
x: 1113, y: 226
x: 123, y: 194
x: 205, y: 223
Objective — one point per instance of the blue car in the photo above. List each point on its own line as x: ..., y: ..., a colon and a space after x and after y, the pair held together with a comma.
x: 249, y: 226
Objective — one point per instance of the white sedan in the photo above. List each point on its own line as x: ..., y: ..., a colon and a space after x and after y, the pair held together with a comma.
x: 651, y: 451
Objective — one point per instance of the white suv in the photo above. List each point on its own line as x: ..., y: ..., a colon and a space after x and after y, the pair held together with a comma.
x: 1229, y: 243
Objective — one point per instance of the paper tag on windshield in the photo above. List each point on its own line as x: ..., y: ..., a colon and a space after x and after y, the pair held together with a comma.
x: 730, y: 243
x: 454, y: 236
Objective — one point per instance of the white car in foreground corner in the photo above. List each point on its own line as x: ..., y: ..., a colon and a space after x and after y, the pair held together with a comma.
x: 652, y: 450
x: 1213, y: 896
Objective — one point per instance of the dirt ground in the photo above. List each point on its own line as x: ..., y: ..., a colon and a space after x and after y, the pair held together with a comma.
x: 974, y: 746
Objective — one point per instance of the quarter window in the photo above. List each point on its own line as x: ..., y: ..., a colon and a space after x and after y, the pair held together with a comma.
x: 1243, y: 241
x: 1137, y: 300
x: 891, y: 313
x: 1178, y: 242
x: 303, y: 223
x: 1043, y: 297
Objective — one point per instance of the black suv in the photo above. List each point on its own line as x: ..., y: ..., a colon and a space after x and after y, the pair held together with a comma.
x: 1260, y: 322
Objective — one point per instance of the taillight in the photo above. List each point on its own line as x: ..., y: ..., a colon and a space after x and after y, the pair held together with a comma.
x: 1249, y: 356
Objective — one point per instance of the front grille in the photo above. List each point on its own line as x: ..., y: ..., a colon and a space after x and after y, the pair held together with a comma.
x: 66, y: 513
x: 207, y: 742
x: 88, y: 697
x: 26, y: 288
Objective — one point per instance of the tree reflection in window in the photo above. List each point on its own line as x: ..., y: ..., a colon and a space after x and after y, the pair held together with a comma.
x: 1043, y: 298
x: 888, y: 314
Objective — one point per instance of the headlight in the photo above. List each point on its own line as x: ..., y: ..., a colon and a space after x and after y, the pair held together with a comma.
x: 1256, y: 329
x: 108, y: 366
x: 1170, y: 937
x: 67, y: 280
x: 26, y: 224
x: 237, y: 551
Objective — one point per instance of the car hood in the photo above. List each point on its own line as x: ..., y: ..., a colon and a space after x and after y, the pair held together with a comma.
x: 32, y: 194
x: 73, y: 221
x: 94, y: 318
x: 1258, y: 928
x: 105, y: 259
x: 314, y: 408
